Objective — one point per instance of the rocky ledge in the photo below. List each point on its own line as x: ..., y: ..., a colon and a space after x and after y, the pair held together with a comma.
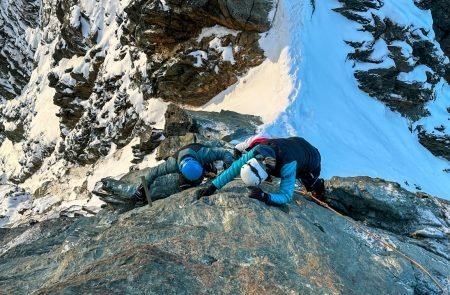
x: 230, y: 244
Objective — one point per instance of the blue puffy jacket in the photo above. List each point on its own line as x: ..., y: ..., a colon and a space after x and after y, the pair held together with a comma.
x: 294, y: 156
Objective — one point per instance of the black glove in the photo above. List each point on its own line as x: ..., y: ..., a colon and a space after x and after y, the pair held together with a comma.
x: 225, y: 166
x: 237, y: 154
x: 258, y: 194
x: 139, y: 195
x: 206, y: 191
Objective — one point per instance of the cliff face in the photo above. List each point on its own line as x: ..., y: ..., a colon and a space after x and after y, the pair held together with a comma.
x: 85, y: 88
x: 228, y: 243
x: 19, y: 22
x: 103, y: 69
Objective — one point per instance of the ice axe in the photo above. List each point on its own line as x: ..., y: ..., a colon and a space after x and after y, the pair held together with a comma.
x: 147, y: 193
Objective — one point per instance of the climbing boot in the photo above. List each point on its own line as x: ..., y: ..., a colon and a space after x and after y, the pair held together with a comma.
x: 118, y: 192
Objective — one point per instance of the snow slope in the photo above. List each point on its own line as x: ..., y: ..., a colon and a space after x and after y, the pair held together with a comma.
x: 356, y: 134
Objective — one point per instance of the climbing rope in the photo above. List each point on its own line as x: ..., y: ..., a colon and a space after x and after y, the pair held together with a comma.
x: 375, y: 237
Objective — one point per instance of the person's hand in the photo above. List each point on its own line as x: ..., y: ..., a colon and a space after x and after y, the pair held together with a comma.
x: 258, y: 194
x: 237, y: 153
x: 206, y: 191
x: 139, y: 195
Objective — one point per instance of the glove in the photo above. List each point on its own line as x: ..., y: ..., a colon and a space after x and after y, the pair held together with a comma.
x: 206, y: 191
x: 225, y: 166
x: 139, y: 195
x: 258, y: 194
x: 237, y: 154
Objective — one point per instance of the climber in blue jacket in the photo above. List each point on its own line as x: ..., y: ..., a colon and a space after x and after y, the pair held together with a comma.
x: 192, y: 163
x: 285, y: 158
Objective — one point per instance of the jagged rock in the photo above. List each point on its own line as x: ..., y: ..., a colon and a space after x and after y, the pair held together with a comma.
x: 407, y: 97
x: 211, y: 128
x: 401, y: 61
x: 72, y: 39
x: 172, y: 144
x: 180, y: 19
x: 437, y: 144
x: 222, y: 243
x: 440, y: 10
x: 361, y: 6
x: 177, y: 122
x: 382, y: 204
x: 409, y: 47
x: 188, y: 70
x: 149, y: 140
x: 198, y: 72
x: 16, y: 51
x: 102, y: 88
x: 34, y: 156
x: 13, y: 202
x: 70, y: 98
x: 225, y: 125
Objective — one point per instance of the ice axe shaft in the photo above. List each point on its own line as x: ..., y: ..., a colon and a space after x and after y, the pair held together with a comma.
x: 147, y: 193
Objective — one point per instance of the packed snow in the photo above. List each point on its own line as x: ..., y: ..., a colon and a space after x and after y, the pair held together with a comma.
x: 199, y: 55
x: 218, y: 31
x: 265, y: 89
x: 418, y: 74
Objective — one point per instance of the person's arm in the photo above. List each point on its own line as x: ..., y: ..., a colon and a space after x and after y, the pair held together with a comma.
x: 287, y: 185
x: 210, y: 155
x: 168, y: 167
x: 233, y: 171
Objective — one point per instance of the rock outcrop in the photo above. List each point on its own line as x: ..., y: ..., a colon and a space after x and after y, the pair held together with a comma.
x: 228, y: 243
x: 110, y: 67
x: 215, y: 129
x: 403, y: 65
x: 197, y: 48
x: 441, y: 21
x: 436, y: 141
x: 387, y: 206
x: 19, y: 21
x: 407, y: 47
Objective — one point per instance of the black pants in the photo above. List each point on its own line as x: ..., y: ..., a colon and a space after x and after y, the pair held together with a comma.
x: 312, y: 182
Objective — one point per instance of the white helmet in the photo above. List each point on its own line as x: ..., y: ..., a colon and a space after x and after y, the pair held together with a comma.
x: 253, y: 173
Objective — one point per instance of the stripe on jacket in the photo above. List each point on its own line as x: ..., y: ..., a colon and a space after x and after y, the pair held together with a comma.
x: 233, y: 171
x: 287, y: 184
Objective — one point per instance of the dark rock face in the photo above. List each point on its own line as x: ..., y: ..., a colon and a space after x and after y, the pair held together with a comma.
x: 70, y: 97
x: 34, y: 155
x: 408, y: 48
x: 386, y: 205
x: 16, y: 53
x: 72, y: 41
x: 441, y: 21
x: 214, y: 129
x: 437, y: 143
x: 223, y: 243
x: 406, y: 97
x: 186, y: 68
x: 174, y: 70
x: 186, y: 18
x: 105, y: 64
